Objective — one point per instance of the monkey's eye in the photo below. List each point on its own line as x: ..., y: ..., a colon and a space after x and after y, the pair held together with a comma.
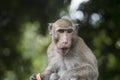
x: 69, y: 30
x: 61, y: 31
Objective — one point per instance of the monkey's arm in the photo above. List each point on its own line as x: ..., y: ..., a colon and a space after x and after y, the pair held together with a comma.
x: 50, y: 70
x: 47, y: 72
x: 85, y: 72
x: 43, y: 76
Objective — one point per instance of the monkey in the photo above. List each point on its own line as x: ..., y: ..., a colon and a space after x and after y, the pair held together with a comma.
x: 69, y: 58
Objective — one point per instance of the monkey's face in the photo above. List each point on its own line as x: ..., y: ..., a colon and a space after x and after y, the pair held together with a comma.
x: 63, y: 38
x: 63, y: 33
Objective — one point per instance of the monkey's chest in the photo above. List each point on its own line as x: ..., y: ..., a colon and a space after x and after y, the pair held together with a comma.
x: 69, y: 64
x: 72, y: 63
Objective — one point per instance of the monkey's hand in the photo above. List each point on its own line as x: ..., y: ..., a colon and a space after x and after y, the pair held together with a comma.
x: 33, y: 77
x: 44, y: 76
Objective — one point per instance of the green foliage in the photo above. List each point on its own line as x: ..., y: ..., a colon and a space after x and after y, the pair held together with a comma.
x: 33, y: 46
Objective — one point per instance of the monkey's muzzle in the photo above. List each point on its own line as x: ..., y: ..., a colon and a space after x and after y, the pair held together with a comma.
x: 64, y: 51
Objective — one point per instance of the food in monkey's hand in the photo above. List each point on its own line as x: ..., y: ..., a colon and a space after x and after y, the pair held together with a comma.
x: 38, y: 76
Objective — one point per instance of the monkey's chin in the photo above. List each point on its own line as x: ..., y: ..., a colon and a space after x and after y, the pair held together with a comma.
x: 63, y: 51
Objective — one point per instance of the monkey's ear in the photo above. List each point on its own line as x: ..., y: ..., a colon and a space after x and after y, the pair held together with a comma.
x: 77, y: 26
x: 50, y: 28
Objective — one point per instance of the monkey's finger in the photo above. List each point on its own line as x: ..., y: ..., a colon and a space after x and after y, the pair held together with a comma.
x: 33, y: 77
x: 38, y: 76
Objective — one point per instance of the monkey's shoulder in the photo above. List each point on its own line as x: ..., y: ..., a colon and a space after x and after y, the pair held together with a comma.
x: 82, y: 46
x: 51, y: 48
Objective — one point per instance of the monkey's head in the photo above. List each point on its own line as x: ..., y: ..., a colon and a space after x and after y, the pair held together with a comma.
x: 64, y: 34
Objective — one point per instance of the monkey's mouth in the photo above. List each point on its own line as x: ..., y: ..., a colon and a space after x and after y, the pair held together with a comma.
x: 64, y: 50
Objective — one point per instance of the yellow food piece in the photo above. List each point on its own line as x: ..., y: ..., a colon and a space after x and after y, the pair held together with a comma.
x: 38, y: 76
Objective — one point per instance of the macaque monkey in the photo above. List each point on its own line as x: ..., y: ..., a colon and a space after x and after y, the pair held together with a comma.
x: 68, y: 55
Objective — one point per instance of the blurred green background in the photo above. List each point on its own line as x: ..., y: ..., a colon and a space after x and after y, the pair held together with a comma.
x: 24, y: 37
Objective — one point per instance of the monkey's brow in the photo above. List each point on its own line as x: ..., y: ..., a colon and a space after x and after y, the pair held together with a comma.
x: 66, y: 29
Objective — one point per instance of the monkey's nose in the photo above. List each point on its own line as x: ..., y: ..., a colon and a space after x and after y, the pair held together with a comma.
x: 65, y: 42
